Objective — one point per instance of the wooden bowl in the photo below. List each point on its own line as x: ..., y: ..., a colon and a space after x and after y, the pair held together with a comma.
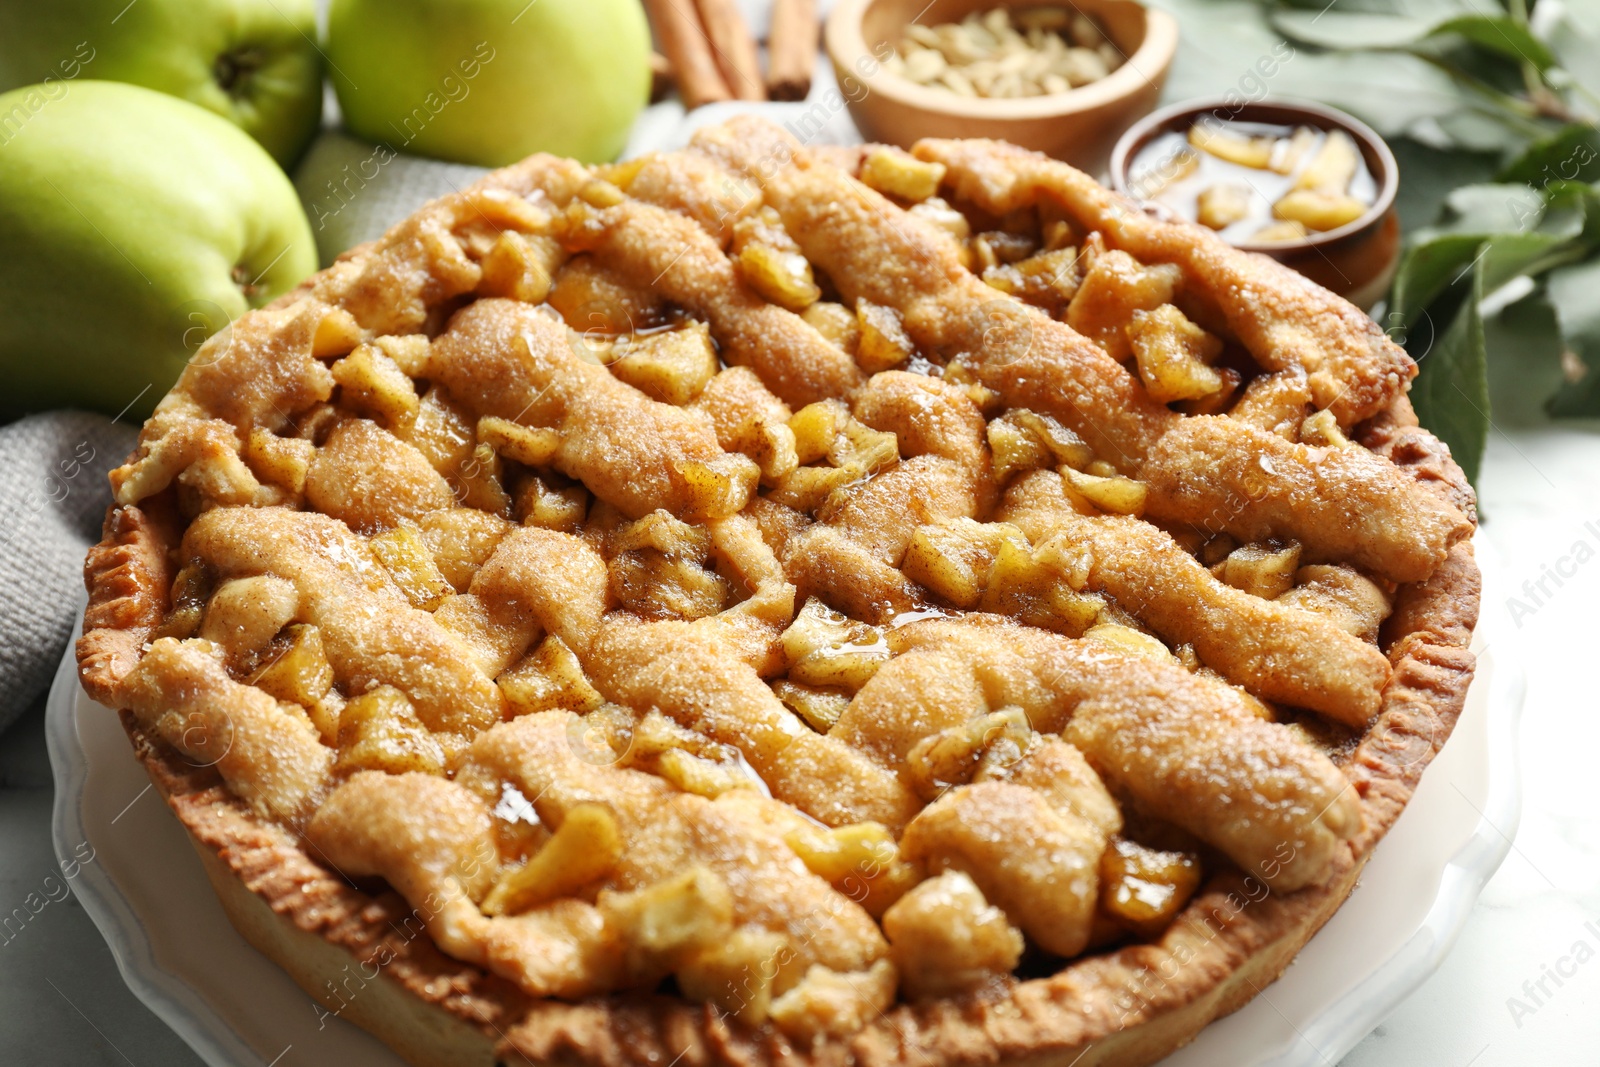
x: 1079, y: 126
x: 1358, y: 259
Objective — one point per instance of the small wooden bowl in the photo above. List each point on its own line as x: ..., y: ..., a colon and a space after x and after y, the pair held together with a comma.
x: 1079, y: 126
x: 1358, y: 259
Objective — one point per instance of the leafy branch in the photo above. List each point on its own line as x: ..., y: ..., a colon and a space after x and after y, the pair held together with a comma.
x: 1502, y: 95
x: 1497, y: 244
x: 1532, y: 237
x: 1516, y: 68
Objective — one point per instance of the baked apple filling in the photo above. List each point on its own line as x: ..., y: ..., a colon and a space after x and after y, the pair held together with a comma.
x: 799, y: 579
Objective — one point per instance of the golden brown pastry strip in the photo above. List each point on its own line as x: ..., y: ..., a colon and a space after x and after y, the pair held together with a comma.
x: 1031, y: 841
x: 435, y: 842
x: 840, y: 222
x: 915, y: 695
x: 1280, y: 316
x: 419, y: 264
x: 736, y: 394
x: 261, y: 371
x: 876, y: 251
x: 823, y: 562
x: 1275, y: 805
x: 540, y: 579
x: 1039, y: 865
x: 843, y: 224
x: 686, y: 673
x: 432, y: 840
x: 1276, y: 402
x: 863, y: 529
x: 505, y: 359
x: 1277, y: 652
x: 749, y: 419
x: 1186, y: 749
x: 655, y: 247
x: 695, y: 184
x: 881, y: 513
x: 272, y: 760
x: 175, y: 441
x: 1219, y: 475
x: 665, y: 830
x: 1064, y: 778
x: 751, y: 628
x: 748, y: 145
x: 928, y: 416
x: 369, y: 479
x: 362, y: 615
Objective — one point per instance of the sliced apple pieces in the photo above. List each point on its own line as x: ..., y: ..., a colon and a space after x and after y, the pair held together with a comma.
x: 1322, y: 168
x: 1224, y: 143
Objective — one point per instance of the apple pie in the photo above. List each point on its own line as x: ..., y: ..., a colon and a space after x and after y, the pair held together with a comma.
x: 763, y: 604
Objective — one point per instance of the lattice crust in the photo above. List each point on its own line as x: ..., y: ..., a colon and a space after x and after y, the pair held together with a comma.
x: 820, y: 591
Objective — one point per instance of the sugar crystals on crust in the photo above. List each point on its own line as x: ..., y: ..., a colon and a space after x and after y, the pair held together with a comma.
x: 748, y: 574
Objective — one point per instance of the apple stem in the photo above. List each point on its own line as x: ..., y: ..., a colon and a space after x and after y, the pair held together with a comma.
x: 233, y: 69
x: 241, y: 278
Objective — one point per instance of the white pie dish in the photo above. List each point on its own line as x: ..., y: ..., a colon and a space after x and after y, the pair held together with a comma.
x: 147, y: 893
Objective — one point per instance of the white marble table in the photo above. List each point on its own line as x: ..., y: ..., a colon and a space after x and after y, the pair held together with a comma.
x: 1523, y: 984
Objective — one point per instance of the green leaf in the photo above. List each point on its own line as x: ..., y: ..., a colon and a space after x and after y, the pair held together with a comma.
x: 1501, y: 35
x: 1484, y: 55
x: 1553, y: 241
x: 1428, y: 268
x: 1440, y: 255
x: 1365, y: 23
x: 1511, y: 255
x: 1523, y: 343
x: 1429, y: 175
x: 1492, y: 208
x: 1400, y: 8
x: 1575, y: 293
x: 1397, y: 94
x: 1481, y: 125
x: 1507, y: 230
x: 1574, y: 35
x: 1571, y: 154
x: 1451, y: 391
x: 1352, y: 29
x: 1228, y: 48
x: 1398, y: 25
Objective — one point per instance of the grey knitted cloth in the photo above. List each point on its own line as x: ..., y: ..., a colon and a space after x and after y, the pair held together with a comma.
x: 53, y: 495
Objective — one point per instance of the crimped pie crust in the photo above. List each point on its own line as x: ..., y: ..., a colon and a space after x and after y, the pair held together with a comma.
x: 1124, y: 1007
x: 1118, y: 1004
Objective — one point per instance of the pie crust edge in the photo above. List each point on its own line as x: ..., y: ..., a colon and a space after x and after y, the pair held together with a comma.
x: 1116, y: 1009
x: 364, y: 954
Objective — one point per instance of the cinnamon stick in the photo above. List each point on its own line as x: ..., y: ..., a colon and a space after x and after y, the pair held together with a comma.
x: 683, y: 39
x: 792, y: 49
x: 661, y: 77
x: 734, y: 46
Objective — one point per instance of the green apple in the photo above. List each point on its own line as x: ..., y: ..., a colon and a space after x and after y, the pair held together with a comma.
x: 254, y: 62
x: 133, y: 225
x: 491, y: 81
